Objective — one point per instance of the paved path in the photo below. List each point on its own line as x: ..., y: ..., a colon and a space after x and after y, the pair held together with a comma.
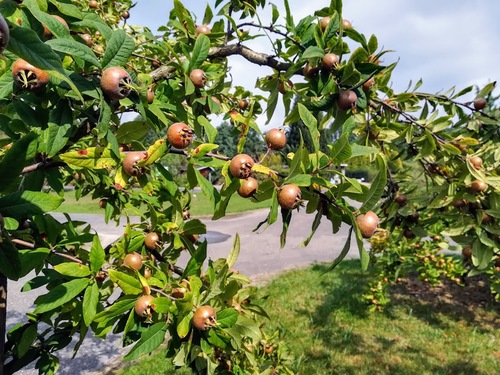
x: 260, y: 255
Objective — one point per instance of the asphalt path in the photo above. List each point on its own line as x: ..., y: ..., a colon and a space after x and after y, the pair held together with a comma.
x: 260, y: 257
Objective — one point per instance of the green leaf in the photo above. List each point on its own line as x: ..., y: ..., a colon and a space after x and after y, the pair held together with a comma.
x: 235, y: 252
x: 209, y: 128
x: 300, y: 180
x: 206, y: 186
x: 151, y: 339
x: 227, y: 318
x: 350, y: 76
x: 129, y: 284
x: 358, y: 150
x: 28, y: 203
x: 132, y: 131
x: 58, y: 132
x: 54, y: 25
x: 155, y: 152
x: 60, y: 295
x: 194, y: 226
x: 32, y: 258
x: 13, y: 161
x: 342, y: 254
x: 312, y: 52
x: 10, y: 262
x: 89, y: 305
x: 184, y: 325
x: 72, y: 269
x: 377, y: 187
x: 162, y: 305
x: 6, y: 85
x: 341, y: 149
x: 119, y: 49
x: 207, y: 17
x: 311, y: 123
x: 97, y: 255
x: 94, y: 22
x: 74, y: 49
x: 200, y: 51
x: 92, y: 158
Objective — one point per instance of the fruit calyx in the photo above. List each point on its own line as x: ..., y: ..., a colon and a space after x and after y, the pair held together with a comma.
x: 116, y: 83
x: 241, y: 166
x: 179, y: 135
x: 28, y: 76
x: 204, y: 318
x: 130, y: 163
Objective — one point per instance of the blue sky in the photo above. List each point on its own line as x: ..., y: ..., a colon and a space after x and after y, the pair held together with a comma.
x: 446, y: 43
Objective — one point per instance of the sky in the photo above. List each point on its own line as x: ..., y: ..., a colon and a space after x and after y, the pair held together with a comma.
x: 446, y: 43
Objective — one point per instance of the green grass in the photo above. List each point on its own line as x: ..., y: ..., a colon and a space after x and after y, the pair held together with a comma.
x: 200, y: 205
x: 329, y: 331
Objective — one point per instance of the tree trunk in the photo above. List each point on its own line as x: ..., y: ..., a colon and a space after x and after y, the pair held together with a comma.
x: 3, y: 318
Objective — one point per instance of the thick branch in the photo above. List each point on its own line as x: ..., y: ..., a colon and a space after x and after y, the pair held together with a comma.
x: 165, y: 71
x: 43, y: 165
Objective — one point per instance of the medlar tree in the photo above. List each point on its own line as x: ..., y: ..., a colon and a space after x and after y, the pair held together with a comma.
x: 65, y: 83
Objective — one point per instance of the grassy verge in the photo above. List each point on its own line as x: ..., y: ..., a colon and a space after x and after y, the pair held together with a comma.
x: 200, y: 205
x: 329, y: 331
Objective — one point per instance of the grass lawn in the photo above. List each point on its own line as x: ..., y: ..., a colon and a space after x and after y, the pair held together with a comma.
x: 200, y: 205
x: 329, y: 331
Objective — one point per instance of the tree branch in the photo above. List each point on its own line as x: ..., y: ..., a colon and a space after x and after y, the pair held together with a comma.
x: 165, y: 71
x: 42, y: 165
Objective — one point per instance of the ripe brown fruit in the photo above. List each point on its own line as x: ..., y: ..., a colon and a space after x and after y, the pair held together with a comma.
x: 150, y: 95
x: 87, y: 38
x: 103, y: 203
x: 248, y: 187
x: 476, y: 162
x: 284, y: 86
x: 143, y: 306
x: 367, y: 85
x: 27, y: 76
x: 479, y: 104
x: 323, y: 23
x: 47, y: 33
x: 459, y: 203
x: 330, y: 61
x: 242, y: 104
x: 289, y: 196
x: 179, y: 135
x: 275, y: 139
x: 125, y: 15
x: 203, y: 29
x: 347, y: 100
x: 93, y: 4
x: 367, y: 223
x: 116, y: 83
x: 4, y: 33
x: 130, y: 163
x: 478, y: 186
x: 310, y: 71
x: 133, y: 260
x: 401, y: 199
x: 204, y: 318
x: 151, y: 240
x: 346, y: 24
x: 198, y: 78
x: 179, y: 292
x: 467, y: 252
x: 486, y: 219
x: 241, y: 166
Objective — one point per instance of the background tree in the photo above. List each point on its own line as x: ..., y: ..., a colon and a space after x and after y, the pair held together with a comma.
x: 73, y: 70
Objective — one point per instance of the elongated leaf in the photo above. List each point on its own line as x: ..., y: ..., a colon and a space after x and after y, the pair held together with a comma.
x: 151, y: 339
x: 129, y: 284
x: 94, y: 22
x: 131, y: 131
x: 92, y: 158
x: 194, y: 226
x: 311, y: 52
x: 89, y: 305
x: 184, y: 325
x: 122, y: 305
x: 13, y: 161
x: 60, y: 295
x: 341, y: 149
x: 358, y: 150
x: 342, y: 254
x: 235, y: 252
x: 6, y: 86
x: 209, y: 128
x: 32, y: 258
x: 377, y: 187
x: 119, y: 49
x: 96, y: 255
x: 27, y: 203
x: 311, y: 123
x: 10, y: 262
x: 54, y: 25
x: 72, y: 269
x: 227, y: 318
x: 75, y: 49
x: 156, y: 151
x: 200, y: 51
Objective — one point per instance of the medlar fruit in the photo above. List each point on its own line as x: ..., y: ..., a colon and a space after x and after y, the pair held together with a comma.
x: 116, y: 83
x: 275, y: 139
x: 346, y: 100
x: 330, y: 61
x: 289, y: 196
x: 202, y: 29
x: 479, y: 104
x: 248, y: 187
x: 198, y: 78
x: 4, y: 33
x: 143, y: 306
x: 29, y: 77
x: 241, y: 166
x: 151, y: 240
x: 180, y: 135
x: 478, y: 186
x: 476, y: 162
x: 367, y: 223
x: 133, y: 260
x: 130, y: 163
x: 204, y: 318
